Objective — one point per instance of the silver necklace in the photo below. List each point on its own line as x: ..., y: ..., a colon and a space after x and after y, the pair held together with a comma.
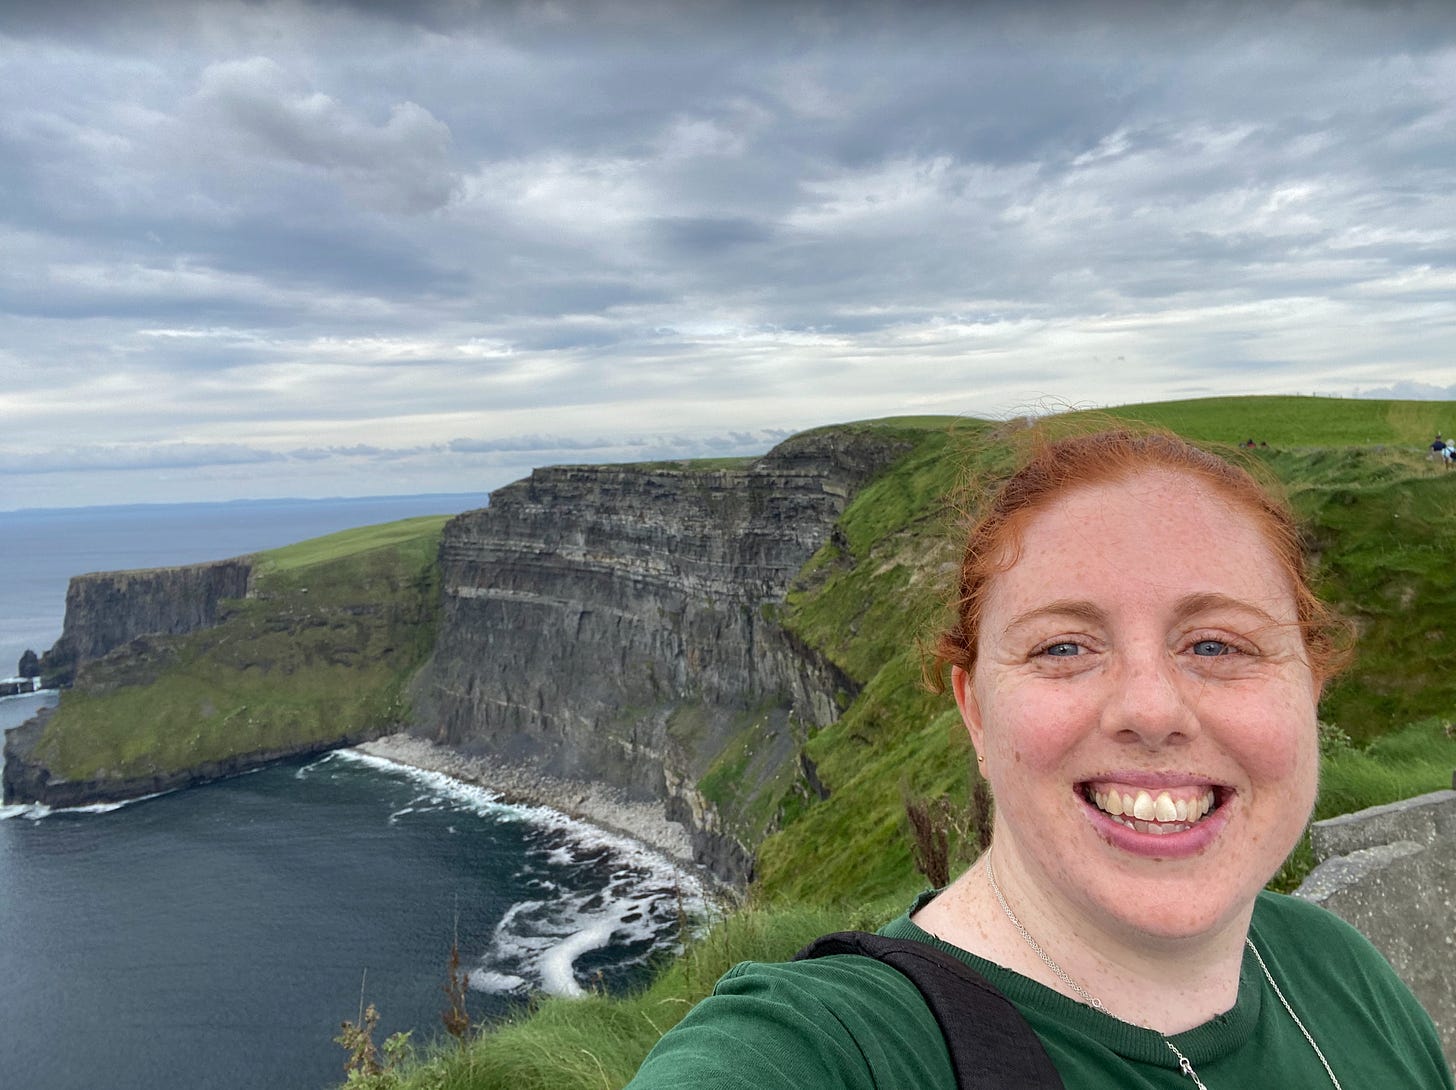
x: 1184, y: 1064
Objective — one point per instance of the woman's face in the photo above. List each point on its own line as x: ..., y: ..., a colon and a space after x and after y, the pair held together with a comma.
x: 1142, y: 700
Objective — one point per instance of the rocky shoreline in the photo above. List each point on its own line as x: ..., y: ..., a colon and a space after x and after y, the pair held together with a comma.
x: 595, y: 803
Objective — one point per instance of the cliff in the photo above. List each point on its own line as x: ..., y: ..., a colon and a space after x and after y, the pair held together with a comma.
x: 187, y: 674
x: 106, y: 610
x: 620, y: 624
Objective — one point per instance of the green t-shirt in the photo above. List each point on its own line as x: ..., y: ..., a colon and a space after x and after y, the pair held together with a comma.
x: 851, y: 1023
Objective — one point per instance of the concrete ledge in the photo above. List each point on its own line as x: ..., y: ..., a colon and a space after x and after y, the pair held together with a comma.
x: 1422, y: 819
x: 1337, y: 874
x: 1391, y: 872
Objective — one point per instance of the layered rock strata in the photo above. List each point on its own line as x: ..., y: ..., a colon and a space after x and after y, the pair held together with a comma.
x: 618, y: 624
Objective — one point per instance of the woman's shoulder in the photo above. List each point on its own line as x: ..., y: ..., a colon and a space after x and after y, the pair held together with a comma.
x: 1337, y: 979
x: 1279, y: 916
x: 1286, y: 928
x: 837, y: 1021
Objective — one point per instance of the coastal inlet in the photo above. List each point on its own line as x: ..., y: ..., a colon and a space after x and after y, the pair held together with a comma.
x: 183, y: 930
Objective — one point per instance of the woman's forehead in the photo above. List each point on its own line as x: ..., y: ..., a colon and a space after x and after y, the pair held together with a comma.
x: 1172, y: 525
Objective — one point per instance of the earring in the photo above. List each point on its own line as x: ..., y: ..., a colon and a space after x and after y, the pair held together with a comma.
x: 981, y: 759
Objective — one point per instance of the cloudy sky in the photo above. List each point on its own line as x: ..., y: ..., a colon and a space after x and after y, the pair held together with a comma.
x: 262, y: 249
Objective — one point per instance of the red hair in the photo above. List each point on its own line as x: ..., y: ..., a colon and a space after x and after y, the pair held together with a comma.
x: 1056, y: 466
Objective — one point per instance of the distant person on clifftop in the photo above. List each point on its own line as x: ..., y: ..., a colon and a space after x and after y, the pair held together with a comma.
x: 1137, y: 657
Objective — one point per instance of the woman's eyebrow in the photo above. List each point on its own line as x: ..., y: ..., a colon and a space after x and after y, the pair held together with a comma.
x: 1189, y: 605
x: 1072, y: 608
x: 1211, y: 601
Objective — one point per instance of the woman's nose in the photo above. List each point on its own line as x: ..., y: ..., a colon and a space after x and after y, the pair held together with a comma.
x: 1149, y: 703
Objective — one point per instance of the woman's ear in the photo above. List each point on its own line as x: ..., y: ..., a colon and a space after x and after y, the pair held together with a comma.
x: 962, y: 684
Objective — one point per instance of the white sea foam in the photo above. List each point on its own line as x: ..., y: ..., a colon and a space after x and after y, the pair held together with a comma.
x: 538, y: 942
x: 484, y: 980
x: 37, y: 810
x: 442, y: 787
x: 636, y: 900
x: 32, y: 810
x: 555, y: 966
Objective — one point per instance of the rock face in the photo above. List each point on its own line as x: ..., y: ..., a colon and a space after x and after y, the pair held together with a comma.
x: 617, y: 624
x: 1391, y: 872
x: 105, y: 610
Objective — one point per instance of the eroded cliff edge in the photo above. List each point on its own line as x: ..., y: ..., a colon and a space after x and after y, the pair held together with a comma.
x: 618, y: 624
x: 186, y: 674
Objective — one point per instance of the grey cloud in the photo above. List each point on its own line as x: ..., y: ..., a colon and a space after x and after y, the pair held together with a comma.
x: 525, y: 444
x: 1409, y: 391
x: 400, y: 164
x: 706, y: 236
x: 616, y: 448
x: 135, y: 456
x: 339, y: 222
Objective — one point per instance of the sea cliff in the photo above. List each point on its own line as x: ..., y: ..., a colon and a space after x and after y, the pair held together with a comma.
x: 618, y: 624
x: 609, y: 625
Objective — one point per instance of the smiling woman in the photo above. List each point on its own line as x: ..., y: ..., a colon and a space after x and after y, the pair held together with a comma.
x: 1138, y: 658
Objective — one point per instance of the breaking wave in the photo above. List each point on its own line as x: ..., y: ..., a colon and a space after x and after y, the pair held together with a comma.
x: 602, y: 903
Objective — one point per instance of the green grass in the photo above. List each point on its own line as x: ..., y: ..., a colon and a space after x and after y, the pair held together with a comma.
x: 422, y: 532
x: 1285, y: 422
x: 692, y: 465
x: 1413, y: 760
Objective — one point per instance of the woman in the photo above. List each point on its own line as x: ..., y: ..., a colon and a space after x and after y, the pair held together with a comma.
x: 1137, y: 657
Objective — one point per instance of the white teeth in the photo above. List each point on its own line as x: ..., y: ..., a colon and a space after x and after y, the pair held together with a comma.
x: 1163, y: 808
x: 1159, y: 816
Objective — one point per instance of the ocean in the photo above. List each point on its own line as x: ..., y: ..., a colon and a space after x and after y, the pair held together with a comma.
x: 217, y: 937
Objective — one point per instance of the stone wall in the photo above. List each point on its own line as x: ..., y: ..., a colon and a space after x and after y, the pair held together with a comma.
x: 1391, y: 872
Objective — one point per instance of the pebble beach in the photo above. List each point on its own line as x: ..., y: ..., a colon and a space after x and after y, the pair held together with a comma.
x: 590, y: 802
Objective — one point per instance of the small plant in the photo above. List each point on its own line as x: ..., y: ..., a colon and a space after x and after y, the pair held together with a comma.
x: 456, y: 1017
x: 362, y: 1068
x: 357, y: 1039
x: 1332, y: 740
x: 930, y: 845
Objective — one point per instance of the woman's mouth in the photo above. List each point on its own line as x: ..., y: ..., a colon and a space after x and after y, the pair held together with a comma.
x: 1158, y: 812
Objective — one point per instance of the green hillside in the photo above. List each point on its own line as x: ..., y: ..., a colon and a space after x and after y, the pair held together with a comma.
x: 1382, y: 536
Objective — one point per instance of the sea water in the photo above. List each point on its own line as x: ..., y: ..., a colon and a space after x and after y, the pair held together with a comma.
x: 218, y: 936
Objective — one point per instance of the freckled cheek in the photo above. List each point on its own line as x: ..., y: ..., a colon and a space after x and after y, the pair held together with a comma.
x: 1277, y: 745
x: 1036, y: 735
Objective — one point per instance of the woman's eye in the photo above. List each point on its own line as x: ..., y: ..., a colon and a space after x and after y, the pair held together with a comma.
x: 1064, y: 650
x: 1212, y: 648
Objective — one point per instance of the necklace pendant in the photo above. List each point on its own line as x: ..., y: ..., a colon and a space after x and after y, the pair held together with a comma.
x: 1185, y: 1065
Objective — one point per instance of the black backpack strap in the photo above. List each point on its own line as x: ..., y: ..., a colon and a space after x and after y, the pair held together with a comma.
x: 991, y: 1045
